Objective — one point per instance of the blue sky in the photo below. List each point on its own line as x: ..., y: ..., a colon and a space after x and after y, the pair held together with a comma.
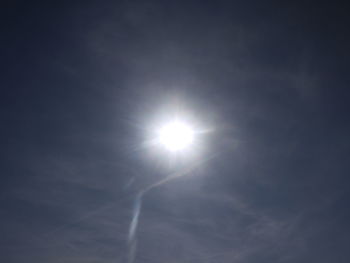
x: 81, y: 82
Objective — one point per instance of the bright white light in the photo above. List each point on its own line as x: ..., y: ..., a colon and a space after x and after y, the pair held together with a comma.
x: 176, y: 136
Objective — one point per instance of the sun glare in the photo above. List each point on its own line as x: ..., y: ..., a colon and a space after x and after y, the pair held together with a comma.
x: 176, y: 136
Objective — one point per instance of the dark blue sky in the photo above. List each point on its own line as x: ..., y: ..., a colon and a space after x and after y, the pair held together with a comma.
x: 80, y: 82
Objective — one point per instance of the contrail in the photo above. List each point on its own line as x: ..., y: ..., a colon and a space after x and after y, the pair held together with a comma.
x: 132, y: 240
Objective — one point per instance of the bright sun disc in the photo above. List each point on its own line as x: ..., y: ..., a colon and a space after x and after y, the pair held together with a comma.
x: 176, y: 136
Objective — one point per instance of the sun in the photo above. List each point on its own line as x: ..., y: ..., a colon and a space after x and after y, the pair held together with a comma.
x: 176, y: 136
